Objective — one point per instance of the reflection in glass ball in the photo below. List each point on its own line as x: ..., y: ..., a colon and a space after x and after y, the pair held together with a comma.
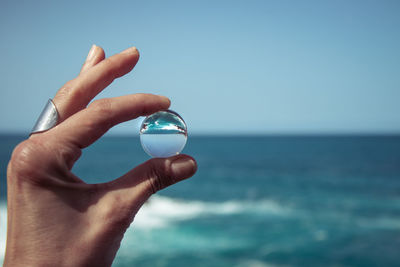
x: 163, y: 134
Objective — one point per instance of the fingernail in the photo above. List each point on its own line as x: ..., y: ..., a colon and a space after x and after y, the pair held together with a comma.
x: 183, y: 167
x: 130, y: 50
x: 90, y: 56
x: 166, y: 99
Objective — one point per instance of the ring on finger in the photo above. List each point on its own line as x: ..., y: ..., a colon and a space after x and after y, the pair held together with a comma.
x: 47, y: 119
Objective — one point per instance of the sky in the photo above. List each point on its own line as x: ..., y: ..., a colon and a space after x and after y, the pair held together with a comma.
x: 229, y: 67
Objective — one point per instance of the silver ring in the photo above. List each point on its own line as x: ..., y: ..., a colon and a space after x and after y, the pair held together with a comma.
x: 47, y: 119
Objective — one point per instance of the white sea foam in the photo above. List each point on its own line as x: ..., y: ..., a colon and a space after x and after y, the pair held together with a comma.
x: 255, y: 263
x: 3, y: 230
x: 161, y: 211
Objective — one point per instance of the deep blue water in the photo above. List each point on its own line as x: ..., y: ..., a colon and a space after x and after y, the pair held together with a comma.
x: 259, y: 201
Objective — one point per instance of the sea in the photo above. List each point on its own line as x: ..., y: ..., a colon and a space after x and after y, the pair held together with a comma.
x: 257, y: 201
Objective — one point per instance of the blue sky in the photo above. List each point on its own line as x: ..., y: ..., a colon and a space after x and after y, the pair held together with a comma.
x: 229, y: 67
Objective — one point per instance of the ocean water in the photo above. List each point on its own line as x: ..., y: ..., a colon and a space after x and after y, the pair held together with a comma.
x: 258, y: 201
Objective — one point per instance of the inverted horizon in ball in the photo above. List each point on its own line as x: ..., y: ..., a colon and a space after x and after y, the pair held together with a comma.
x: 163, y: 134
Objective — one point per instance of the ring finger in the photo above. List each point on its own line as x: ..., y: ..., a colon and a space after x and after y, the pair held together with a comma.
x: 96, y: 54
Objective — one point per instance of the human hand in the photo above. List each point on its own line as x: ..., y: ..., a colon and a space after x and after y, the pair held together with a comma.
x: 56, y: 219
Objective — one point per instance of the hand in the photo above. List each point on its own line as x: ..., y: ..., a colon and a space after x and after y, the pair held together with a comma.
x: 54, y: 218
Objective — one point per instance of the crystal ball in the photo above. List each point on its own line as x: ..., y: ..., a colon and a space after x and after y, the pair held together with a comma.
x: 163, y: 134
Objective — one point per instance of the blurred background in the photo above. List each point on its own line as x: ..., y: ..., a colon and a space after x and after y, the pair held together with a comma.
x: 293, y: 115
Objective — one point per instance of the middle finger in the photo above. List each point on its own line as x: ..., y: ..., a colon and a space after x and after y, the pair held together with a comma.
x: 76, y: 94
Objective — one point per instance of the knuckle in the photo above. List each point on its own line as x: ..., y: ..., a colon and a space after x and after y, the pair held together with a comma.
x: 66, y: 90
x: 69, y: 85
x: 73, y: 92
x: 79, y: 96
x: 37, y: 158
x: 144, y: 103
x: 24, y: 159
x: 102, y: 106
x: 110, y: 73
x: 22, y: 152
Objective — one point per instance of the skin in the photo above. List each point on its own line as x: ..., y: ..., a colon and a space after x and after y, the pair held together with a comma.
x: 56, y: 219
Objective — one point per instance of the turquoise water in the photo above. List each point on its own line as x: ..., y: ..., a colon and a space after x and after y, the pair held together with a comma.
x: 164, y: 122
x: 259, y: 201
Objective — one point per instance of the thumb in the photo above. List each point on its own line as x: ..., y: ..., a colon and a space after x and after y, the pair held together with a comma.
x: 140, y: 183
x: 161, y: 173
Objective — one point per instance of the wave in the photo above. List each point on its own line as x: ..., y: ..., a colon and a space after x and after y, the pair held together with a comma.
x: 161, y: 211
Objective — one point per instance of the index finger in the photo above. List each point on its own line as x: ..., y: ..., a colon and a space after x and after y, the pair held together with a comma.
x: 86, y: 126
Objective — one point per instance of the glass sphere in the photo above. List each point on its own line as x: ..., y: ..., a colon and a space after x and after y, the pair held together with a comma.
x: 163, y: 134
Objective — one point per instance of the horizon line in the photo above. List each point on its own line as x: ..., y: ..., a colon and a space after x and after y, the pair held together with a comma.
x: 232, y: 134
